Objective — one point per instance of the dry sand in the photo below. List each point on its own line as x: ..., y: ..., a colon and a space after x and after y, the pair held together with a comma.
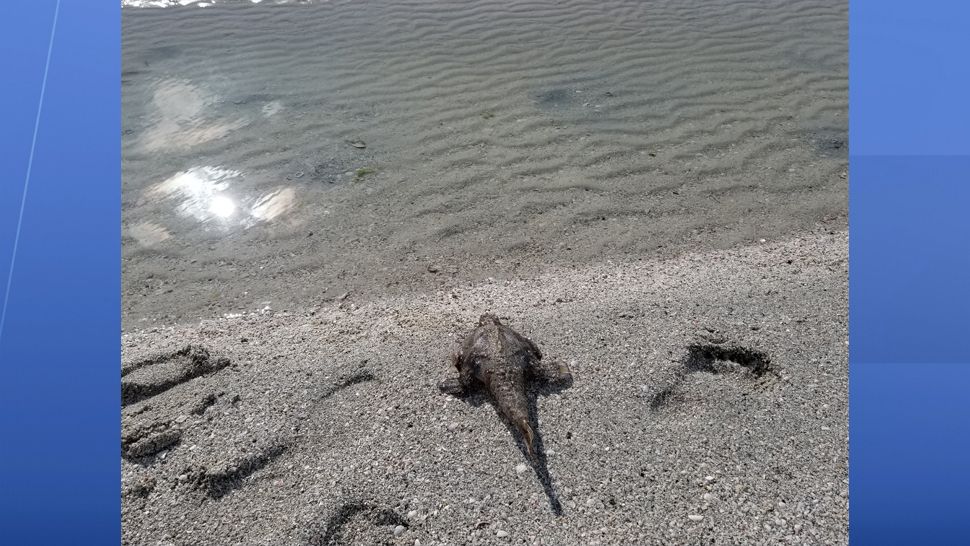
x: 319, y: 199
x: 319, y: 413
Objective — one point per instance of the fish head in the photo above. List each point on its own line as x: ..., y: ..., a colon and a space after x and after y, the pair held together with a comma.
x: 489, y: 318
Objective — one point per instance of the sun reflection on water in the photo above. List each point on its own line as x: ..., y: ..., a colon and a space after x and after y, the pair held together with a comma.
x: 200, y: 190
x: 207, y: 195
x: 274, y: 204
x: 222, y: 206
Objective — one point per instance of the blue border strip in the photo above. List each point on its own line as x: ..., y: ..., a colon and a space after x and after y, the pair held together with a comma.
x: 909, y: 280
x: 59, y: 352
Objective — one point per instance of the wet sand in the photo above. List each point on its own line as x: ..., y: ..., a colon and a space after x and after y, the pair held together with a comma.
x: 319, y: 200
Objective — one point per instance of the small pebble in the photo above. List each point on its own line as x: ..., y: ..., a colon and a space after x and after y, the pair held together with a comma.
x: 399, y: 530
x: 501, y: 534
x: 521, y: 468
x: 452, y: 426
x: 695, y: 517
x: 708, y: 497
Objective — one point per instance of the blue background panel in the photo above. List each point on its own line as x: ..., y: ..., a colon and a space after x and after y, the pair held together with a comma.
x: 908, y: 77
x: 59, y: 350
x: 909, y: 274
x: 908, y: 464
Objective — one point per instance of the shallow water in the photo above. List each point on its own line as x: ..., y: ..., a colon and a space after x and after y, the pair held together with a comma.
x: 282, y: 155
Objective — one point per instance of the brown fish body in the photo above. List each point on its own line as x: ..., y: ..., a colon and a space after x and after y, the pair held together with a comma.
x: 499, y: 359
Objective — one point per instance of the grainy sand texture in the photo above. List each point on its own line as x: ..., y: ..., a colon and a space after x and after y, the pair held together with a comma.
x: 314, y: 414
x: 320, y: 198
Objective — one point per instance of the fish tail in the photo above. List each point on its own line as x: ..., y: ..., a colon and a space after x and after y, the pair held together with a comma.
x: 528, y: 437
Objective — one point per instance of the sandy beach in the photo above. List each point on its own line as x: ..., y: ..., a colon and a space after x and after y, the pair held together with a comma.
x: 320, y: 198
x: 338, y: 406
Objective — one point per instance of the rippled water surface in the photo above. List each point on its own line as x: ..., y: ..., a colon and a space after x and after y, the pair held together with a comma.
x: 280, y: 154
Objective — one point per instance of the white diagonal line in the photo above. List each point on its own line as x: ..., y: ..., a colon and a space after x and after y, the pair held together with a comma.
x: 30, y: 164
